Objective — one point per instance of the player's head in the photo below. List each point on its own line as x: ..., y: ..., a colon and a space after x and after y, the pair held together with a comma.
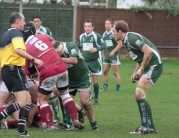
x: 121, y: 25
x: 37, y: 20
x: 88, y: 26
x: 29, y: 29
x: 108, y: 24
x: 119, y: 30
x: 58, y: 46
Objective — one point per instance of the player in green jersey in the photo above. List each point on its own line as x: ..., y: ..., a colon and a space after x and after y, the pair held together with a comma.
x: 111, y: 57
x: 91, y: 44
x: 39, y: 28
x: 78, y: 76
x: 148, y: 69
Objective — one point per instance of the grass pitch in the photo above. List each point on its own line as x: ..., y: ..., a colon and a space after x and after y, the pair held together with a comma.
x: 117, y: 114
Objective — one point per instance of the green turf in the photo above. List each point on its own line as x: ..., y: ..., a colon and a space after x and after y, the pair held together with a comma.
x: 117, y: 114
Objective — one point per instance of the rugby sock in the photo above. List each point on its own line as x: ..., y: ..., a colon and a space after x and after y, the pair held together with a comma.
x: 46, y: 115
x: 143, y: 111
x: 12, y: 123
x: 9, y: 110
x: 149, y: 116
x: 93, y: 124
x: 118, y: 87
x: 105, y: 86
x: 22, y: 118
x: 81, y: 110
x: 70, y: 106
x: 55, y: 107
x: 67, y: 117
x: 96, y: 91
x: 62, y: 107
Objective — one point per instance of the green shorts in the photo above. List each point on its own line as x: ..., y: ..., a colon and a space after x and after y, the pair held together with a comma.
x: 112, y: 60
x: 94, y: 66
x: 152, y: 73
x: 82, y: 85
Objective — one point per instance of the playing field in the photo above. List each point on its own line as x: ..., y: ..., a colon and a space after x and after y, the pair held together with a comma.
x: 117, y: 114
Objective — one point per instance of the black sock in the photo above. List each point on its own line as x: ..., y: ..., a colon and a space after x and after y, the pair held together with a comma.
x: 22, y: 118
x: 9, y: 110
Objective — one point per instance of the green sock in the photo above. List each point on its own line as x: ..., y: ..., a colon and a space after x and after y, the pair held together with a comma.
x: 149, y: 116
x: 105, y: 86
x: 93, y: 124
x: 55, y: 107
x: 67, y: 118
x: 96, y: 91
x: 143, y: 111
x: 118, y: 87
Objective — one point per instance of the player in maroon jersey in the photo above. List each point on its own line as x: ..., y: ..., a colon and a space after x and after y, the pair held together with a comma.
x: 54, y: 72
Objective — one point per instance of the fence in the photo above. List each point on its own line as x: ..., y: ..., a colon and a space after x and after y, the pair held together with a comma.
x: 162, y: 29
x: 66, y: 23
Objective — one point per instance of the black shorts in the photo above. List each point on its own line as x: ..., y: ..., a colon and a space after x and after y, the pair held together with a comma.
x: 14, y: 78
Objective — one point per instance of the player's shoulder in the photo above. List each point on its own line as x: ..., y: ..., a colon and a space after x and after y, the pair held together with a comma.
x: 81, y: 35
x: 97, y: 34
x: 71, y: 45
x: 132, y: 35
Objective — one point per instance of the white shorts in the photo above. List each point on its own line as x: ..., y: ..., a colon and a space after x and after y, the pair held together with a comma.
x: 30, y: 82
x: 60, y: 80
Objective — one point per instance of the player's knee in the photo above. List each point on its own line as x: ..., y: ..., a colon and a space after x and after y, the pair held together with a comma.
x: 84, y: 101
x: 116, y: 73
x: 87, y: 106
x: 105, y: 72
x: 141, y: 91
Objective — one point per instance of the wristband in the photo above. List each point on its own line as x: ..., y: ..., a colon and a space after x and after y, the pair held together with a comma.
x: 32, y: 59
x: 141, y: 68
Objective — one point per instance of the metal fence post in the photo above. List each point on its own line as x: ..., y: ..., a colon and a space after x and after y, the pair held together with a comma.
x: 74, y: 22
x: 21, y: 7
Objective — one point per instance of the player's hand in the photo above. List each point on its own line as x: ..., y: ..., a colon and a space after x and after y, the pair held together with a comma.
x: 133, y: 78
x: 111, y: 54
x: 39, y: 63
x: 92, y: 50
x: 139, y: 73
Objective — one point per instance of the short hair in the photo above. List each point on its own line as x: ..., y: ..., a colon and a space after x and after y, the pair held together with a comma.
x: 89, y: 21
x: 110, y: 21
x: 36, y: 16
x: 14, y: 16
x: 121, y: 25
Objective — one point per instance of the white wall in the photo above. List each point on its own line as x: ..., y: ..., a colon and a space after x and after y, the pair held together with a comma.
x: 125, y: 4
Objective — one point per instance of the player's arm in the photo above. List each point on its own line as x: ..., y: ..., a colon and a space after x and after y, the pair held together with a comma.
x: 102, y: 44
x: 70, y: 60
x: 24, y: 54
x: 146, y: 59
x: 147, y: 56
x: 118, y: 47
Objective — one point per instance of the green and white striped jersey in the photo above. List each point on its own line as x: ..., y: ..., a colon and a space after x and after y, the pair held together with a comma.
x: 44, y: 30
x: 110, y: 42
x: 92, y: 40
x: 134, y: 43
